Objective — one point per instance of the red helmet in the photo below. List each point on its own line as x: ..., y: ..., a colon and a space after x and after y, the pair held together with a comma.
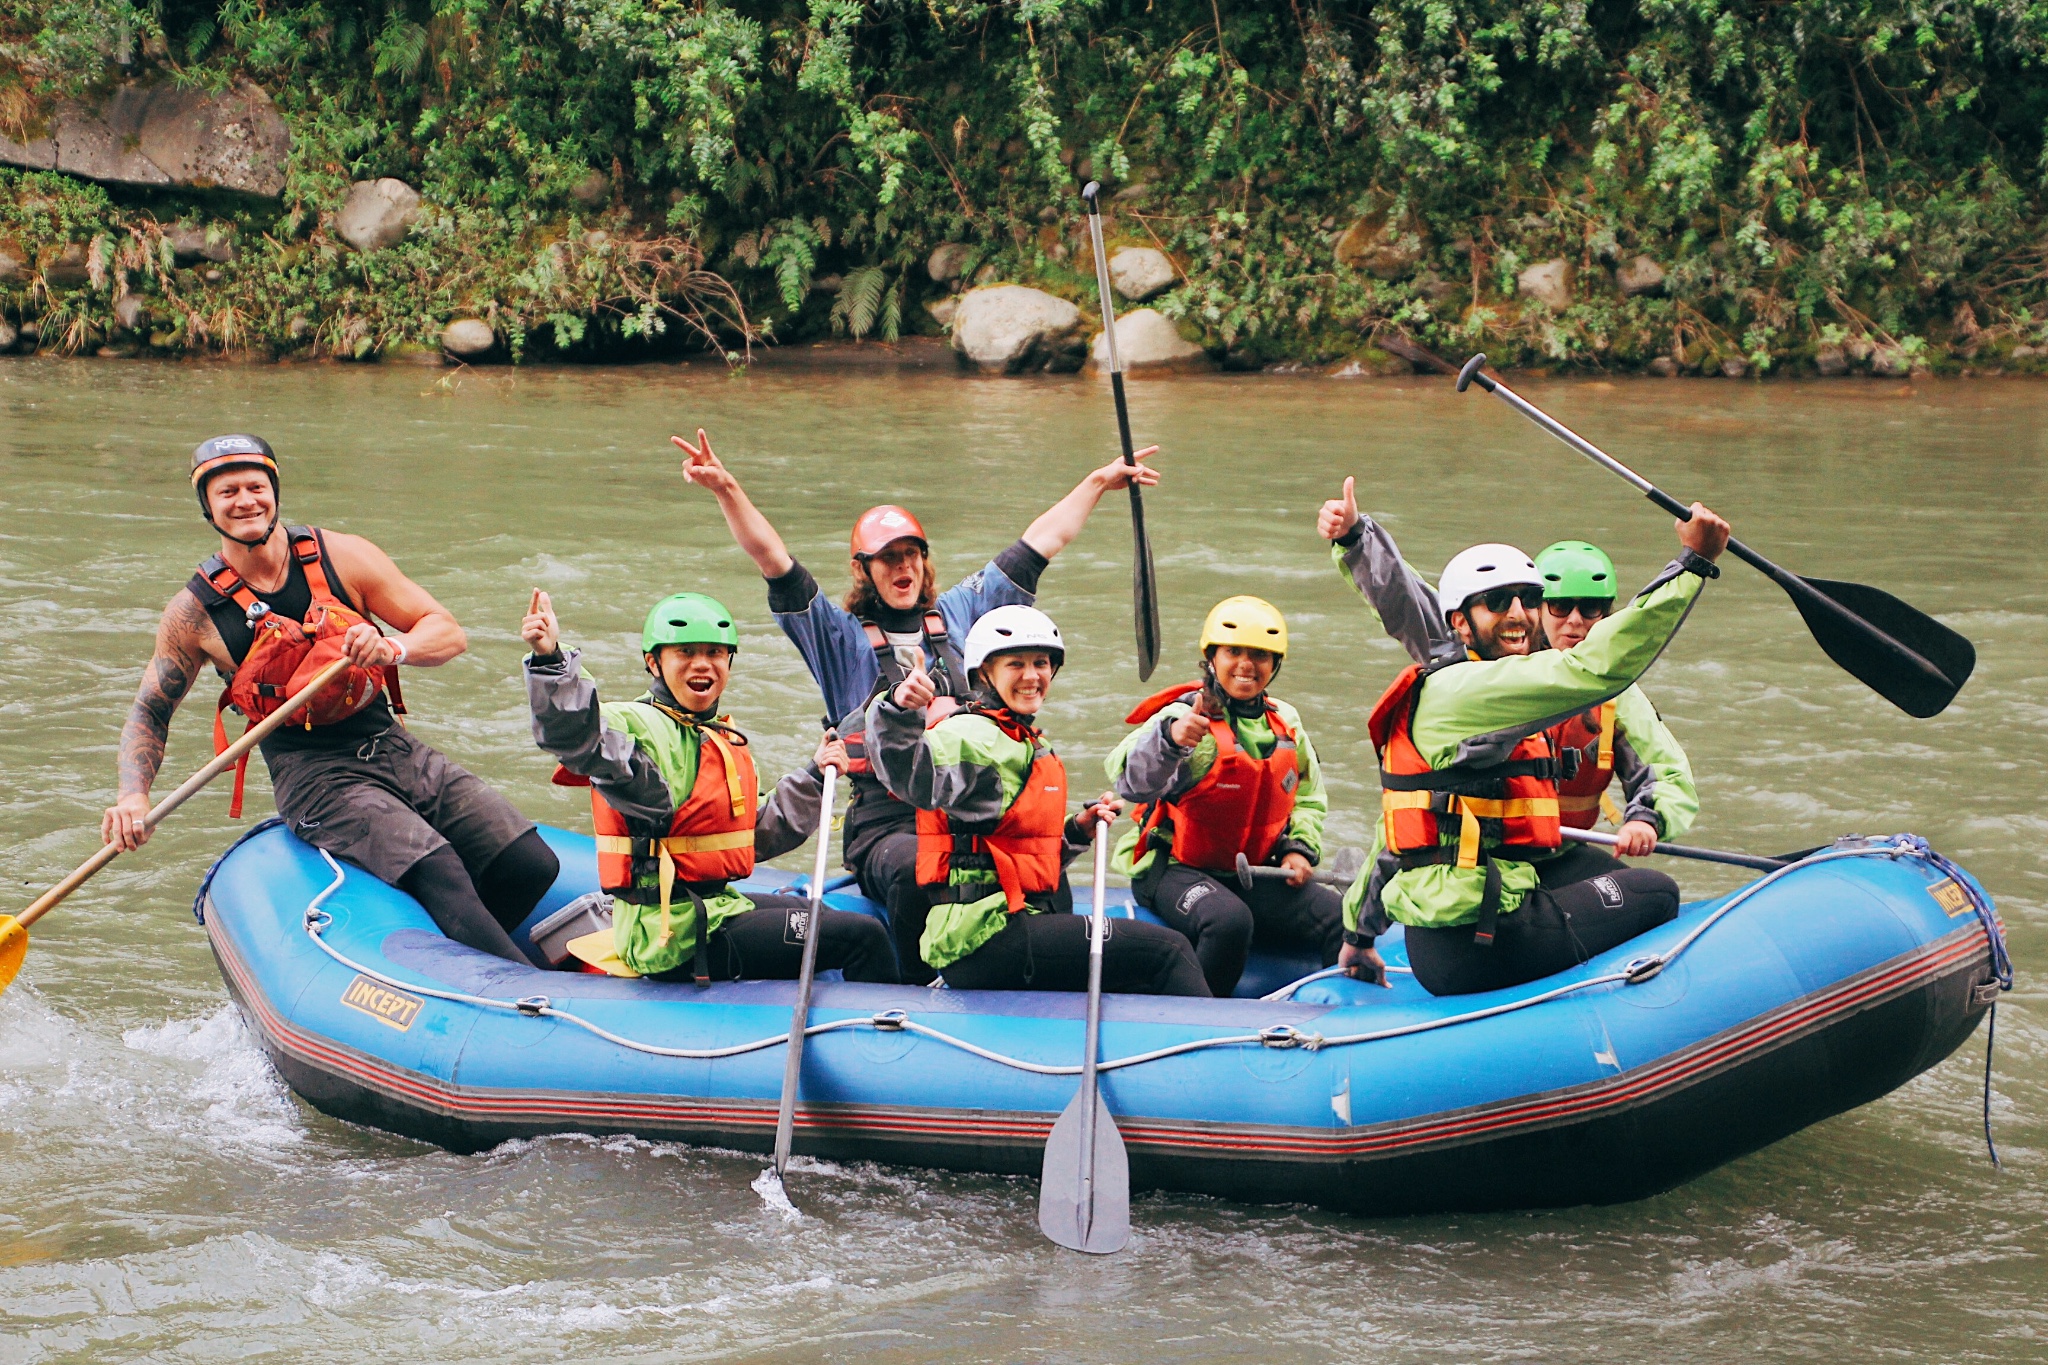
x: 880, y: 525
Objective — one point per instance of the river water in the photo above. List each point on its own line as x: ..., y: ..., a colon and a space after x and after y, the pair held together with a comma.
x: 162, y: 1196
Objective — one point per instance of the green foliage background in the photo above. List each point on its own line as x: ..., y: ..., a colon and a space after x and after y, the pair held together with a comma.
x: 1808, y: 173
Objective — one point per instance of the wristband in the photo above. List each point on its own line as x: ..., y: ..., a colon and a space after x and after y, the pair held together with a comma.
x: 1354, y: 939
x: 398, y: 645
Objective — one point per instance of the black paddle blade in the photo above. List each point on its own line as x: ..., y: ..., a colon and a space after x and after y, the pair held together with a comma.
x: 1144, y: 590
x: 1854, y: 643
x: 1085, y: 1210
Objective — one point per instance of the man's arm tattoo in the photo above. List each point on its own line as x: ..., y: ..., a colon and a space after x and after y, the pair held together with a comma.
x: 170, y: 675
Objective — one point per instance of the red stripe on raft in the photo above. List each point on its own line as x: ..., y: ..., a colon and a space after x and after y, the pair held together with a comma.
x: 1236, y: 1139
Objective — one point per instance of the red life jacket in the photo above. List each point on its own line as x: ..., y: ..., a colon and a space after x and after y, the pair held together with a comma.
x: 1505, y: 810
x: 1591, y: 733
x: 710, y: 839
x: 285, y: 655
x: 1242, y: 805
x: 1024, y: 847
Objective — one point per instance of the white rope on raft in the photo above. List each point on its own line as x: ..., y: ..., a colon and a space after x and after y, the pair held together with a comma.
x: 1634, y: 973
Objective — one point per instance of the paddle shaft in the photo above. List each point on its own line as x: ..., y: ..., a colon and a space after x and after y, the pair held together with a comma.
x: 1792, y: 583
x: 1092, y: 1039
x: 1703, y: 855
x: 792, y: 1066
x: 1247, y: 870
x: 1147, y: 599
x: 224, y: 760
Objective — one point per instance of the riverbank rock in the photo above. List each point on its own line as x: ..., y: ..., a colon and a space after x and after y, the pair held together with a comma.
x: 10, y: 262
x: 1140, y: 272
x: 1148, y: 340
x: 154, y: 133
x: 1889, y: 362
x: 191, y: 243
x: 130, y: 312
x: 592, y: 189
x: 1011, y: 329
x: 1831, y: 363
x: 468, y: 338
x: 1640, y: 276
x: 8, y: 336
x: 947, y: 261
x: 1548, y: 283
x: 1378, y: 247
x: 65, y: 267
x: 378, y: 214
x: 1664, y: 367
x: 942, y: 310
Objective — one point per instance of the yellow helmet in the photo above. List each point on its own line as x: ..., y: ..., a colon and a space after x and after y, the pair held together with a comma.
x: 1248, y: 623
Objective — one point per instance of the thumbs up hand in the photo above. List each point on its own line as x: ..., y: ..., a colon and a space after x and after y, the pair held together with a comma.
x: 1339, y: 515
x: 541, y: 631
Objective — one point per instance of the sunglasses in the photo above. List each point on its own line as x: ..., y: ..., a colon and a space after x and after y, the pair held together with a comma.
x: 1588, y: 608
x: 1497, y: 600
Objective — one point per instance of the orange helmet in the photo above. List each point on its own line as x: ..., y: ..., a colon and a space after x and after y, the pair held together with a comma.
x: 880, y: 525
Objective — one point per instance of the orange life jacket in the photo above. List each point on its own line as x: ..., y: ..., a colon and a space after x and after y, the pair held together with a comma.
x: 285, y: 655
x: 1242, y: 805
x: 1024, y: 847
x: 710, y: 839
x: 1504, y: 810
x: 1591, y: 733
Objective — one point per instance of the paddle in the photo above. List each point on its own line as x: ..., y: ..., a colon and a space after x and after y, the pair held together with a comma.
x: 14, y: 930
x: 1704, y: 855
x: 792, y: 1067
x: 1084, y: 1192
x: 1898, y: 651
x: 1144, y: 591
x: 1246, y: 872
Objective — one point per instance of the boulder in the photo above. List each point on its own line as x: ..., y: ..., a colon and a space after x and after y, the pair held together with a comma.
x: 946, y: 262
x: 468, y: 338
x: 1640, y: 276
x: 155, y: 133
x: 10, y: 262
x: 1140, y: 272
x: 1831, y: 363
x: 191, y: 244
x: 1010, y: 329
x: 1378, y: 248
x: 377, y: 214
x: 65, y: 267
x: 592, y: 189
x: 1734, y: 367
x: 8, y: 335
x: 942, y: 310
x: 1664, y: 367
x: 130, y: 313
x: 1148, y: 340
x: 1548, y: 283
x: 1890, y: 362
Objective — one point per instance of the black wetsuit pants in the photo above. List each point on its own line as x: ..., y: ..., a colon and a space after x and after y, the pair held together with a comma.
x: 482, y: 911
x: 761, y: 945
x: 887, y: 872
x: 1588, y: 902
x: 1223, y: 920
x: 1049, y: 952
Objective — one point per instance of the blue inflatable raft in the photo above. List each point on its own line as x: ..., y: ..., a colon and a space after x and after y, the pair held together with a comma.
x: 1816, y: 989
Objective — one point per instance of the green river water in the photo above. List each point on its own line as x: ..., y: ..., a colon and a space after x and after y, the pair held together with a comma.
x: 163, y: 1197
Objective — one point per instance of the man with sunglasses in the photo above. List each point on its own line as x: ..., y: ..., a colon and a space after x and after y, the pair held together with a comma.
x: 1476, y: 872
x: 1624, y: 738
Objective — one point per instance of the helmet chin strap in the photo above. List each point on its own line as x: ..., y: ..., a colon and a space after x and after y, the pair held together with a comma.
x: 268, y: 531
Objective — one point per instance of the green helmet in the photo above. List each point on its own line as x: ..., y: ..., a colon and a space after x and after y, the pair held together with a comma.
x: 1572, y: 568
x: 688, y: 618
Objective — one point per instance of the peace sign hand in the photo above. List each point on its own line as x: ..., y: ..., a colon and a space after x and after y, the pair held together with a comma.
x: 1339, y: 515
x: 703, y: 467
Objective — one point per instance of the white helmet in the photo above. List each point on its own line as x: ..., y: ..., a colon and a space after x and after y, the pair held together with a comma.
x: 1012, y: 628
x: 1481, y: 569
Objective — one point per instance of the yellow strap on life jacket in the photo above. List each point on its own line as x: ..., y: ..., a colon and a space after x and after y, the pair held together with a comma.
x: 733, y: 791
x: 1607, y: 736
x: 1578, y: 805
x: 1611, y: 811
x: 1468, y: 838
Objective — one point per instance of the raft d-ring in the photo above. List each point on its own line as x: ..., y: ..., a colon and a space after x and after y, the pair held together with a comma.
x: 1281, y: 1035
x: 1642, y: 969
x: 891, y: 1021
x: 533, y: 1006
x: 317, y: 919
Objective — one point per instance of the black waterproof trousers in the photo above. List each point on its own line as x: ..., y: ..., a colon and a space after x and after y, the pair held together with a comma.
x: 1588, y: 902
x: 1223, y: 920
x: 764, y: 945
x: 1049, y: 952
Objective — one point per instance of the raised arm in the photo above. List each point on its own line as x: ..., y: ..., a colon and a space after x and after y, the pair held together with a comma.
x: 1057, y: 526
x: 1402, y: 600
x: 749, y: 528
x: 428, y: 633
x: 183, y: 637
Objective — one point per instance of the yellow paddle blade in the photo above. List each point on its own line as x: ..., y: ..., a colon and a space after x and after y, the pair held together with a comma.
x: 13, y: 948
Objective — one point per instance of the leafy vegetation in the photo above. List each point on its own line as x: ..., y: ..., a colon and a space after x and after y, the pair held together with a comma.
x: 1854, y: 177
